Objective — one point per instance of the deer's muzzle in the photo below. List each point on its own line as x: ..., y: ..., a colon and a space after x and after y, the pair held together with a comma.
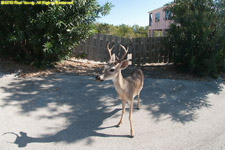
x: 98, y: 78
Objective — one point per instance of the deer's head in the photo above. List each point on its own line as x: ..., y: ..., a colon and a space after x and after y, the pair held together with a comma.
x: 114, y: 66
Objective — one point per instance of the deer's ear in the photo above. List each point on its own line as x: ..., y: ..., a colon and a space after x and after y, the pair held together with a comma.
x: 124, y: 64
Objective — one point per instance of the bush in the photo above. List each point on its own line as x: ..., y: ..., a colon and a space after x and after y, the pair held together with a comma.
x: 42, y: 34
x: 196, y: 36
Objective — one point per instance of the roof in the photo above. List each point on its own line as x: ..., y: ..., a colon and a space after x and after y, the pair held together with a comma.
x: 161, y: 7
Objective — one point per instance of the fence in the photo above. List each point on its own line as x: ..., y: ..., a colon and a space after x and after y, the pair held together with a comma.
x: 143, y: 50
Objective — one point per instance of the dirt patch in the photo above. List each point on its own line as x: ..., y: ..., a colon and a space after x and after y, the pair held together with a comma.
x: 90, y: 68
x: 72, y: 66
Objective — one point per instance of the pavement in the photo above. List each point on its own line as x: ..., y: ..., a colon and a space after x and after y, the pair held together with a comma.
x: 66, y: 112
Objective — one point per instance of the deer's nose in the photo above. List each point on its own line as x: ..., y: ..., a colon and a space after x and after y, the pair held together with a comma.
x: 97, y: 78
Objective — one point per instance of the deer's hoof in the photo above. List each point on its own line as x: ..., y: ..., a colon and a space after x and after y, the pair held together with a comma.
x: 118, y: 125
x: 131, y: 134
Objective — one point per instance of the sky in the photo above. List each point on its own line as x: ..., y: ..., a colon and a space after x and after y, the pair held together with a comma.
x: 130, y: 12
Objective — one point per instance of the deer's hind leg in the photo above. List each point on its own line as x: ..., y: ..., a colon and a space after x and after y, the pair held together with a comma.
x: 138, y: 104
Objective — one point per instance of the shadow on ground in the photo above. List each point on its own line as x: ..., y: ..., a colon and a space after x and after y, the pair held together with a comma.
x: 90, y: 103
x: 178, y: 100
x: 86, y: 98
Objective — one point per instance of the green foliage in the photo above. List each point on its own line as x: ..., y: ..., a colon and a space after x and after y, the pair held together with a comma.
x: 122, y: 30
x: 42, y: 34
x: 196, y: 37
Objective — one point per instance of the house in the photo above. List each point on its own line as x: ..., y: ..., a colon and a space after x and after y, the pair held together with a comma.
x: 159, y: 22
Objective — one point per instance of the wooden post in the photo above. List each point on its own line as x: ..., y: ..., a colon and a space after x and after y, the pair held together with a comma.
x: 116, y: 48
x: 152, y: 50
x: 91, y: 47
x: 138, y: 51
x: 156, y: 50
x: 103, y: 50
x: 144, y: 49
x: 133, y: 52
x: 97, y: 51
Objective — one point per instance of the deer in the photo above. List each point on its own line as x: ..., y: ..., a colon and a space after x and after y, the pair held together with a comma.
x: 127, y: 88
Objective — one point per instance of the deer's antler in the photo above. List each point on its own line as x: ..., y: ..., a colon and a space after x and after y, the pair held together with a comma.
x: 125, y: 53
x: 110, y: 51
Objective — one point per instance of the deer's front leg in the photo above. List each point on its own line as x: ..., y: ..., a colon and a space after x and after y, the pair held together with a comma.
x: 123, y: 110
x: 130, y: 118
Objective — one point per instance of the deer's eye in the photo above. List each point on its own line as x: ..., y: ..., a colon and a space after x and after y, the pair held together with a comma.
x: 112, y: 70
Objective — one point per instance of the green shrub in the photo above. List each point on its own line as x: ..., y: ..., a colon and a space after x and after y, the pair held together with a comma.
x: 196, y: 36
x: 42, y: 34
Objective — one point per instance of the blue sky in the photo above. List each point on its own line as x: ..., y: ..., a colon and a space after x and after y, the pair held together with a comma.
x: 130, y: 12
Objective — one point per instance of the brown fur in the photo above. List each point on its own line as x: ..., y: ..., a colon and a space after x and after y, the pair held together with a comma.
x: 126, y: 88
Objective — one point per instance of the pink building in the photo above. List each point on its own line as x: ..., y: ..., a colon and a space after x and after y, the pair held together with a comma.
x: 159, y: 22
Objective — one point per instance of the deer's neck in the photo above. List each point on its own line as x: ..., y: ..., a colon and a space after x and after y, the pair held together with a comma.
x: 119, y: 83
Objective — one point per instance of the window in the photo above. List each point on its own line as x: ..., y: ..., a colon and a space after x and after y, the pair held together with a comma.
x: 167, y: 15
x: 150, y: 19
x: 157, y: 17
